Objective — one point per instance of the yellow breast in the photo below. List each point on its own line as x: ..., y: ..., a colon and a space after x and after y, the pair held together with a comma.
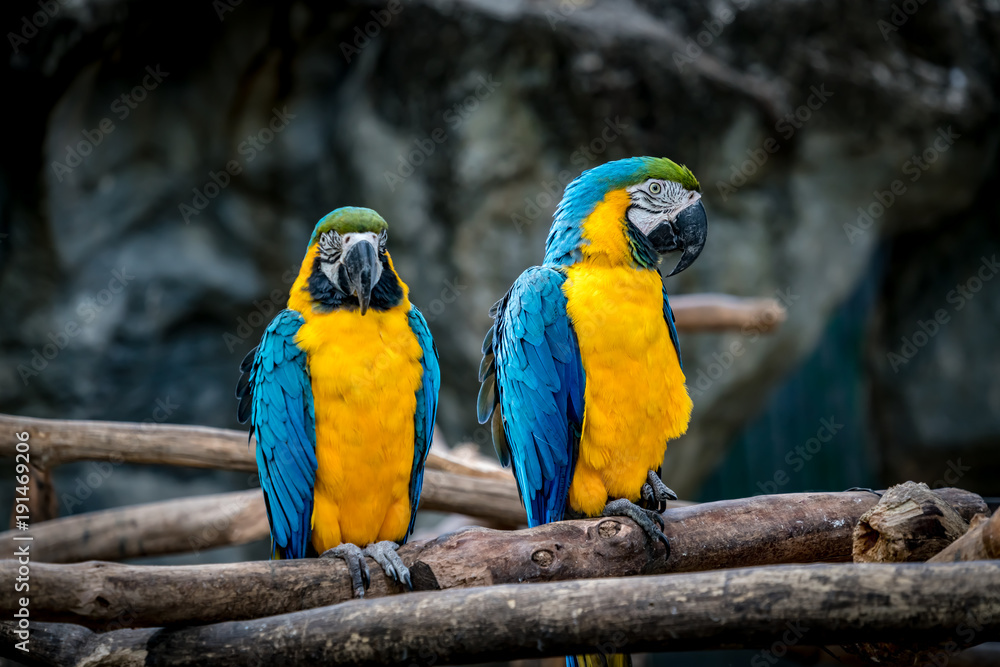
x: 635, y: 398
x: 365, y: 372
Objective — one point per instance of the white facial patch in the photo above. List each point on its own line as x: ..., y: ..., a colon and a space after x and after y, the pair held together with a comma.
x: 333, y: 247
x: 656, y: 201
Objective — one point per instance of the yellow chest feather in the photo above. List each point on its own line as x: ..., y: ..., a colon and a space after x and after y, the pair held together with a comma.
x: 365, y: 371
x: 635, y: 398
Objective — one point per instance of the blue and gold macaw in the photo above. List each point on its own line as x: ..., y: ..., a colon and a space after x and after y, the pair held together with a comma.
x: 342, y: 394
x: 581, y: 371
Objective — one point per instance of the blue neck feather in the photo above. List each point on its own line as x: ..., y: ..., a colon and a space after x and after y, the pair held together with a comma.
x: 582, y: 195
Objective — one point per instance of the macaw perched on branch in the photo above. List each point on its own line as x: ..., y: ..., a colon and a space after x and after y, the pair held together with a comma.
x: 342, y: 394
x: 581, y: 372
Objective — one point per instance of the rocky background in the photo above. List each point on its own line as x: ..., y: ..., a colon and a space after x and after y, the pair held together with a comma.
x: 164, y: 163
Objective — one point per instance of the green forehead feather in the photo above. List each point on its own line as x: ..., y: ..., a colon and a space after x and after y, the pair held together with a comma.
x: 662, y: 168
x: 348, y: 220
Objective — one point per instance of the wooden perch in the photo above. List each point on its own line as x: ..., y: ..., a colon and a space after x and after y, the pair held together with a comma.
x: 150, y: 529
x: 789, y: 528
x: 982, y: 542
x: 793, y: 604
x: 209, y: 521
x: 909, y: 523
x: 57, y: 441
x: 722, y: 312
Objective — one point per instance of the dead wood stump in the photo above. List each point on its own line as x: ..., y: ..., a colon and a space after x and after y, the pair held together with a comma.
x: 982, y: 542
x: 910, y: 523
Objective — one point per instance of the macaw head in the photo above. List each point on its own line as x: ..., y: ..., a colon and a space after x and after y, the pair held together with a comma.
x: 658, y: 197
x: 351, y: 254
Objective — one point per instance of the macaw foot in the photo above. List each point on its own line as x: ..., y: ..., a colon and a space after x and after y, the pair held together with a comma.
x: 356, y: 565
x: 385, y: 555
x: 645, y: 518
x: 655, y: 492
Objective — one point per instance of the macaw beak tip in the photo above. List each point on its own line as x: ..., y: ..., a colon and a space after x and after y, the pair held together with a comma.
x: 360, y: 263
x: 692, y: 230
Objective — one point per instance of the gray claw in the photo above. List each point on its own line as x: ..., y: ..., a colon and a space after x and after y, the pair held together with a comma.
x: 647, y: 493
x: 660, y: 491
x: 385, y: 555
x: 356, y: 565
x: 644, y: 518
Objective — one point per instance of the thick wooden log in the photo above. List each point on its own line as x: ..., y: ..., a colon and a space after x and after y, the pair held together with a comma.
x: 910, y: 523
x: 722, y: 312
x: 756, y: 607
x: 982, y: 542
x: 789, y: 528
x: 206, y: 522
x: 150, y: 529
x: 57, y: 441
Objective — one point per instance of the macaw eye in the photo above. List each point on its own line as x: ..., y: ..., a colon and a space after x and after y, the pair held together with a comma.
x: 383, y: 239
x: 655, y: 188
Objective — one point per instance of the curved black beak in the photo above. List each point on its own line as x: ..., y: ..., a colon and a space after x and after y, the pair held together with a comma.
x: 687, y: 233
x: 360, y: 262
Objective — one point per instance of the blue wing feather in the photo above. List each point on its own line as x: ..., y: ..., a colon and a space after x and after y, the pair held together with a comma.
x: 540, y: 386
x: 426, y: 412
x: 283, y: 417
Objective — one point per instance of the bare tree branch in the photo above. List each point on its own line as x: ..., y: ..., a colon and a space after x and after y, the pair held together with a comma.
x: 794, y: 604
x: 722, y: 312
x: 206, y: 522
x: 57, y: 441
x: 764, y: 530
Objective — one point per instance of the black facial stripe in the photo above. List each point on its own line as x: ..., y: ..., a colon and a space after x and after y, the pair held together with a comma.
x: 386, y: 293
x: 646, y: 205
x: 320, y: 288
x: 331, y: 245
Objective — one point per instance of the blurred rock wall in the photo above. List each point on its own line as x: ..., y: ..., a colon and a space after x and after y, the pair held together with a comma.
x: 165, y: 163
